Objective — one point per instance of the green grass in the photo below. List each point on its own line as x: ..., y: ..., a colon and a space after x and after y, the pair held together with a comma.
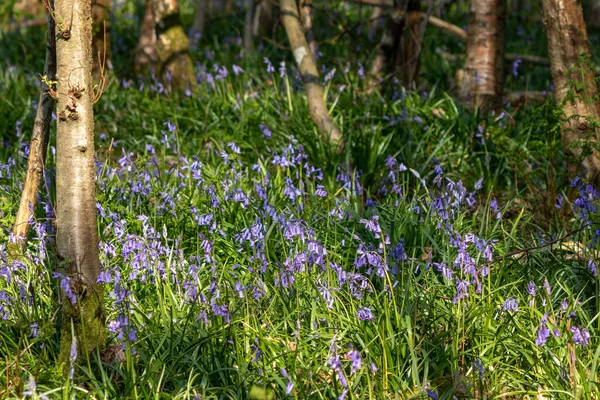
x: 269, y: 291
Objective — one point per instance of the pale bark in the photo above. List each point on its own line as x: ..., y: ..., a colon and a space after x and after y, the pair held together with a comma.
x: 483, y: 75
x: 38, y: 146
x: 306, y: 16
x: 310, y: 76
x: 76, y: 227
x: 101, y: 39
x: 567, y: 46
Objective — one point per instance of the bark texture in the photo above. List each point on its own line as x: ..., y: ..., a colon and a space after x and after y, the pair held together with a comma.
x: 76, y: 234
x: 306, y: 15
x: 146, y: 55
x: 595, y: 14
x: 248, y: 37
x: 568, y: 46
x: 310, y: 76
x: 262, y: 24
x: 200, y: 17
x: 28, y: 7
x: 482, y: 80
x: 164, y: 46
x: 398, y: 53
x: 39, y: 144
x: 101, y: 39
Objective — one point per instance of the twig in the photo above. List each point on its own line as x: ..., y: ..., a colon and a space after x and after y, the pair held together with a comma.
x: 541, y: 246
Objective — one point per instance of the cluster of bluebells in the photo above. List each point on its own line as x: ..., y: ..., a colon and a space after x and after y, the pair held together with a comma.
x: 259, y: 212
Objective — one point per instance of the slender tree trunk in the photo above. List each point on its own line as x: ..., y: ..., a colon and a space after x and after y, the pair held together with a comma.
x: 200, y: 17
x: 164, y: 46
x: 39, y: 144
x: 375, y: 19
x: 248, y: 37
x: 146, y: 55
x: 28, y: 7
x: 482, y: 80
x: 76, y: 228
x: 574, y: 82
x: 306, y: 15
x: 310, y: 76
x: 595, y: 14
x: 385, y: 52
x: 101, y: 39
x: 262, y: 24
x: 228, y: 6
x: 408, y: 57
x: 399, y: 51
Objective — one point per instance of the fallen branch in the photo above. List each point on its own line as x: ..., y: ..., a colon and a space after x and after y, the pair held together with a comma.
x: 536, y: 96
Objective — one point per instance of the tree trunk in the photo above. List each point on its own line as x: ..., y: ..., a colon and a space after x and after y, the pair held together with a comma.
x: 574, y: 82
x: 76, y: 228
x: 39, y: 144
x: 399, y: 51
x: 28, y: 7
x: 310, y: 76
x: 200, y: 17
x: 482, y: 80
x: 375, y: 19
x: 146, y: 55
x: 248, y: 37
x: 262, y: 25
x: 385, y: 52
x: 409, y: 53
x: 306, y: 15
x: 101, y: 39
x: 595, y: 14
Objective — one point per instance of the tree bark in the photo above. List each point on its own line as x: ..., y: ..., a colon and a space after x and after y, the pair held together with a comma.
x: 262, y: 23
x: 173, y: 62
x: 146, y: 55
x: 398, y: 53
x: 101, y: 39
x: 483, y: 75
x: 409, y: 53
x: 595, y: 14
x: 574, y: 82
x: 310, y: 76
x: 39, y: 144
x: 28, y: 7
x: 200, y: 17
x: 248, y: 37
x: 76, y: 228
x: 306, y: 15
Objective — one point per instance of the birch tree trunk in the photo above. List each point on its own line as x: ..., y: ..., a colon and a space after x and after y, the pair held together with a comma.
x: 76, y: 229
x: 482, y: 80
x: 164, y: 46
x: 39, y: 144
x: 310, y: 76
x: 306, y: 15
x: 101, y: 39
x: 574, y: 82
